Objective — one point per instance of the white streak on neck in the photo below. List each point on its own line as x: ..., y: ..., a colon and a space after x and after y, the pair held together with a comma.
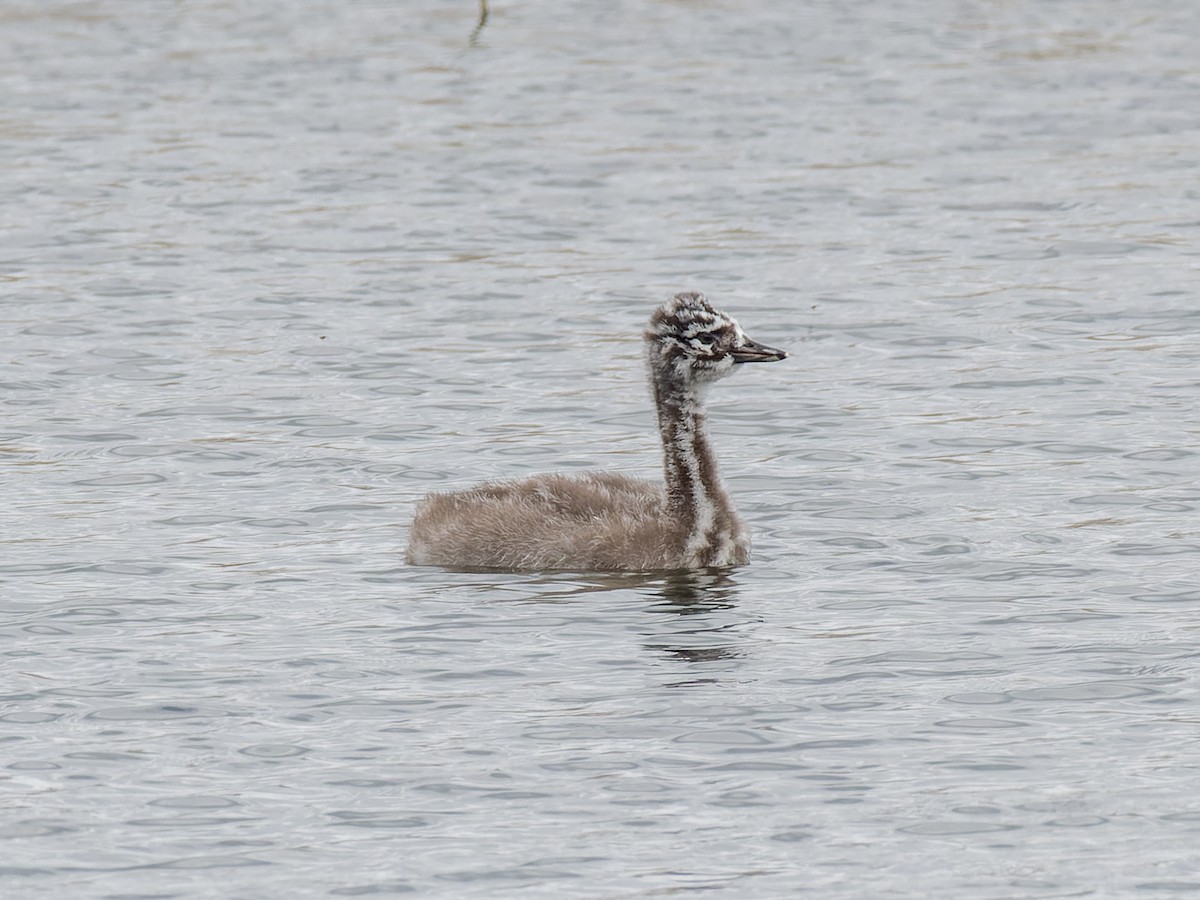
x: 687, y: 453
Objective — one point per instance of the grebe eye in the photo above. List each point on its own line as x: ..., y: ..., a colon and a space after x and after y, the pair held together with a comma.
x: 707, y: 338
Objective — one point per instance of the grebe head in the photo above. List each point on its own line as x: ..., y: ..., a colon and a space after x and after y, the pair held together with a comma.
x: 692, y: 344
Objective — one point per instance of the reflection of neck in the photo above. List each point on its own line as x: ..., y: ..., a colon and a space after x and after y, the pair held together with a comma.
x: 695, y: 496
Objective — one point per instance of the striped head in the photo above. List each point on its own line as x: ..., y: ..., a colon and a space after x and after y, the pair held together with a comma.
x: 690, y: 343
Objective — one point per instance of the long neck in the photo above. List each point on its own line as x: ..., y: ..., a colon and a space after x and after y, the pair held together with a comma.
x: 695, y: 496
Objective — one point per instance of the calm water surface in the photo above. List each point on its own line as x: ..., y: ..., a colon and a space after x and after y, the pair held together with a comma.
x: 271, y: 272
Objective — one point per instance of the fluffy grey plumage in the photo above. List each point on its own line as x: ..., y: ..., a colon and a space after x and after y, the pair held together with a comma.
x: 600, y: 521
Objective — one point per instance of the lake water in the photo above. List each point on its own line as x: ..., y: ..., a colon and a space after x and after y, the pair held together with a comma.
x: 270, y: 272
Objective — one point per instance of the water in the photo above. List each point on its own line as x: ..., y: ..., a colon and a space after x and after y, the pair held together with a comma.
x: 271, y: 273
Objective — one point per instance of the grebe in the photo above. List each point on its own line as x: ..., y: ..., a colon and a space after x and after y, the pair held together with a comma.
x: 603, y: 521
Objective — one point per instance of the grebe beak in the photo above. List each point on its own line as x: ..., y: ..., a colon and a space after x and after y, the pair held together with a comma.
x: 752, y: 352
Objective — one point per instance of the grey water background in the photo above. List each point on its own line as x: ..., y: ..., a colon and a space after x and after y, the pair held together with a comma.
x: 270, y: 272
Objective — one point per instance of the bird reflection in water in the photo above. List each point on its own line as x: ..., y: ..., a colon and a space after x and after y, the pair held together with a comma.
x: 700, y: 630
x: 701, y: 637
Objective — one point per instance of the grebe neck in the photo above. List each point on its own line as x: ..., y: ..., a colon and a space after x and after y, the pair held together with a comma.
x: 695, y: 496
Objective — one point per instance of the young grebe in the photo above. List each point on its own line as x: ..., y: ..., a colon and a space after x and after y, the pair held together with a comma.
x: 601, y: 521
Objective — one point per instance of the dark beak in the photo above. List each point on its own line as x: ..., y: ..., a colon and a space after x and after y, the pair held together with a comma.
x: 752, y: 352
